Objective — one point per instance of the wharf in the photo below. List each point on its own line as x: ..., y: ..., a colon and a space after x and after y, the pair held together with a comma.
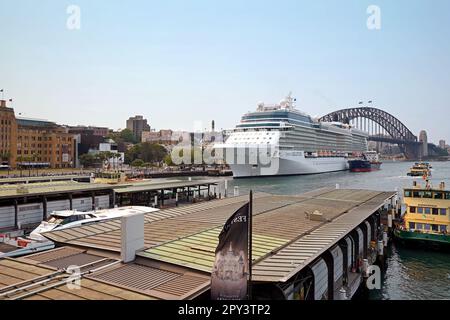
x: 306, y: 246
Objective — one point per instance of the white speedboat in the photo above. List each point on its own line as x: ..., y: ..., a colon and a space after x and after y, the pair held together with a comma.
x: 60, y: 220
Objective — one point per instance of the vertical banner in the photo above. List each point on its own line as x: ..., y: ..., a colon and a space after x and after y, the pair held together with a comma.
x: 230, y: 272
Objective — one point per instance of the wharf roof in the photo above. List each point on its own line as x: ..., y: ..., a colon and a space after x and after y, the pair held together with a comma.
x: 157, y: 185
x: 42, y: 178
x: 16, y: 274
x: 8, y: 191
x: 285, y: 238
x: 48, y: 188
x: 102, y: 278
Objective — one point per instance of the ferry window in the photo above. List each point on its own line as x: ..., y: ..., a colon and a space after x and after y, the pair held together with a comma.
x: 438, y: 195
x: 417, y: 194
x: 427, y: 226
x: 407, y: 194
x: 419, y: 226
x: 420, y: 210
x: 434, y: 227
x: 412, y: 225
x: 443, y: 212
x: 442, y: 228
x: 427, y: 210
x: 427, y: 194
x: 412, y: 209
x: 447, y: 195
x: 435, y: 211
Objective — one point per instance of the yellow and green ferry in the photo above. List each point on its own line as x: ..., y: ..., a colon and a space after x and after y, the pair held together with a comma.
x: 427, y: 216
x: 420, y: 169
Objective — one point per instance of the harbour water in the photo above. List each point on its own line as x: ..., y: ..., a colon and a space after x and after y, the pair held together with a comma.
x: 411, y: 274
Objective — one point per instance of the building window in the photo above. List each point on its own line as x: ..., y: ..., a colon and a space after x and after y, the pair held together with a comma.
x: 438, y: 195
x: 412, y: 225
x: 443, y: 212
x: 412, y: 209
x: 427, y: 194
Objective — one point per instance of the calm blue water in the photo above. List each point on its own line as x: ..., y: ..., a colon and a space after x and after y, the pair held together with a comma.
x: 411, y: 274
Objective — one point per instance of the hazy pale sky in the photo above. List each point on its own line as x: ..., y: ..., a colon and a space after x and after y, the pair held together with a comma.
x: 177, y: 62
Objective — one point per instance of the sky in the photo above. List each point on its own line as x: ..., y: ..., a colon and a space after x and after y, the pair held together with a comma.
x: 178, y: 62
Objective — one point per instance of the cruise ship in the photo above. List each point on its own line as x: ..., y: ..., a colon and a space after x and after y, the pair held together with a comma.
x: 281, y: 140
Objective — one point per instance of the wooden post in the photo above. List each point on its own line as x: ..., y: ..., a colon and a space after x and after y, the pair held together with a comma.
x: 16, y: 214
x: 44, y: 207
x: 70, y: 201
x: 93, y: 200
x: 250, y: 238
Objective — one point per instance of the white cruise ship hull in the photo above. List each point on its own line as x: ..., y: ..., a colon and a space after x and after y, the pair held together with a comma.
x: 291, y: 166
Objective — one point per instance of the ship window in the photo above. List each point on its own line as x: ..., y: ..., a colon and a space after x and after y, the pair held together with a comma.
x: 435, y: 211
x: 438, y: 195
x: 447, y: 195
x: 417, y: 194
x: 434, y: 227
x: 412, y: 209
x: 443, y: 228
x: 443, y: 212
x: 420, y: 210
x: 427, y: 226
x: 412, y: 225
x: 407, y: 194
x: 419, y: 226
x: 427, y: 210
x: 427, y: 194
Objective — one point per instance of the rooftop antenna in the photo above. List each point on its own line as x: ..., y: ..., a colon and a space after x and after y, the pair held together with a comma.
x: 290, y: 101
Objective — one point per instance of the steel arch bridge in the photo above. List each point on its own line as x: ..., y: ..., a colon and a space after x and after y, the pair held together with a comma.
x: 391, y: 125
x: 380, y: 125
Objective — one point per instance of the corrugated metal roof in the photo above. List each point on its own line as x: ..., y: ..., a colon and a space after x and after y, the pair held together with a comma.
x: 44, y: 178
x: 46, y: 188
x: 17, y: 273
x: 58, y: 253
x: 290, y: 260
x: 197, y: 251
x: 160, y: 226
x: 285, y: 239
x: 160, y: 283
x: 165, y: 185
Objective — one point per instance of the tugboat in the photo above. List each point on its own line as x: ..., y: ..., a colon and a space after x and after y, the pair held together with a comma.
x: 427, y: 217
x: 420, y: 169
x: 369, y: 162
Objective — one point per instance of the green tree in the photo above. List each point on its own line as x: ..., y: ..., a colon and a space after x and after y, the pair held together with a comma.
x: 127, y: 136
x: 5, y: 156
x: 168, y: 160
x: 88, y: 160
x: 152, y: 152
x: 132, y: 154
x: 137, y: 163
